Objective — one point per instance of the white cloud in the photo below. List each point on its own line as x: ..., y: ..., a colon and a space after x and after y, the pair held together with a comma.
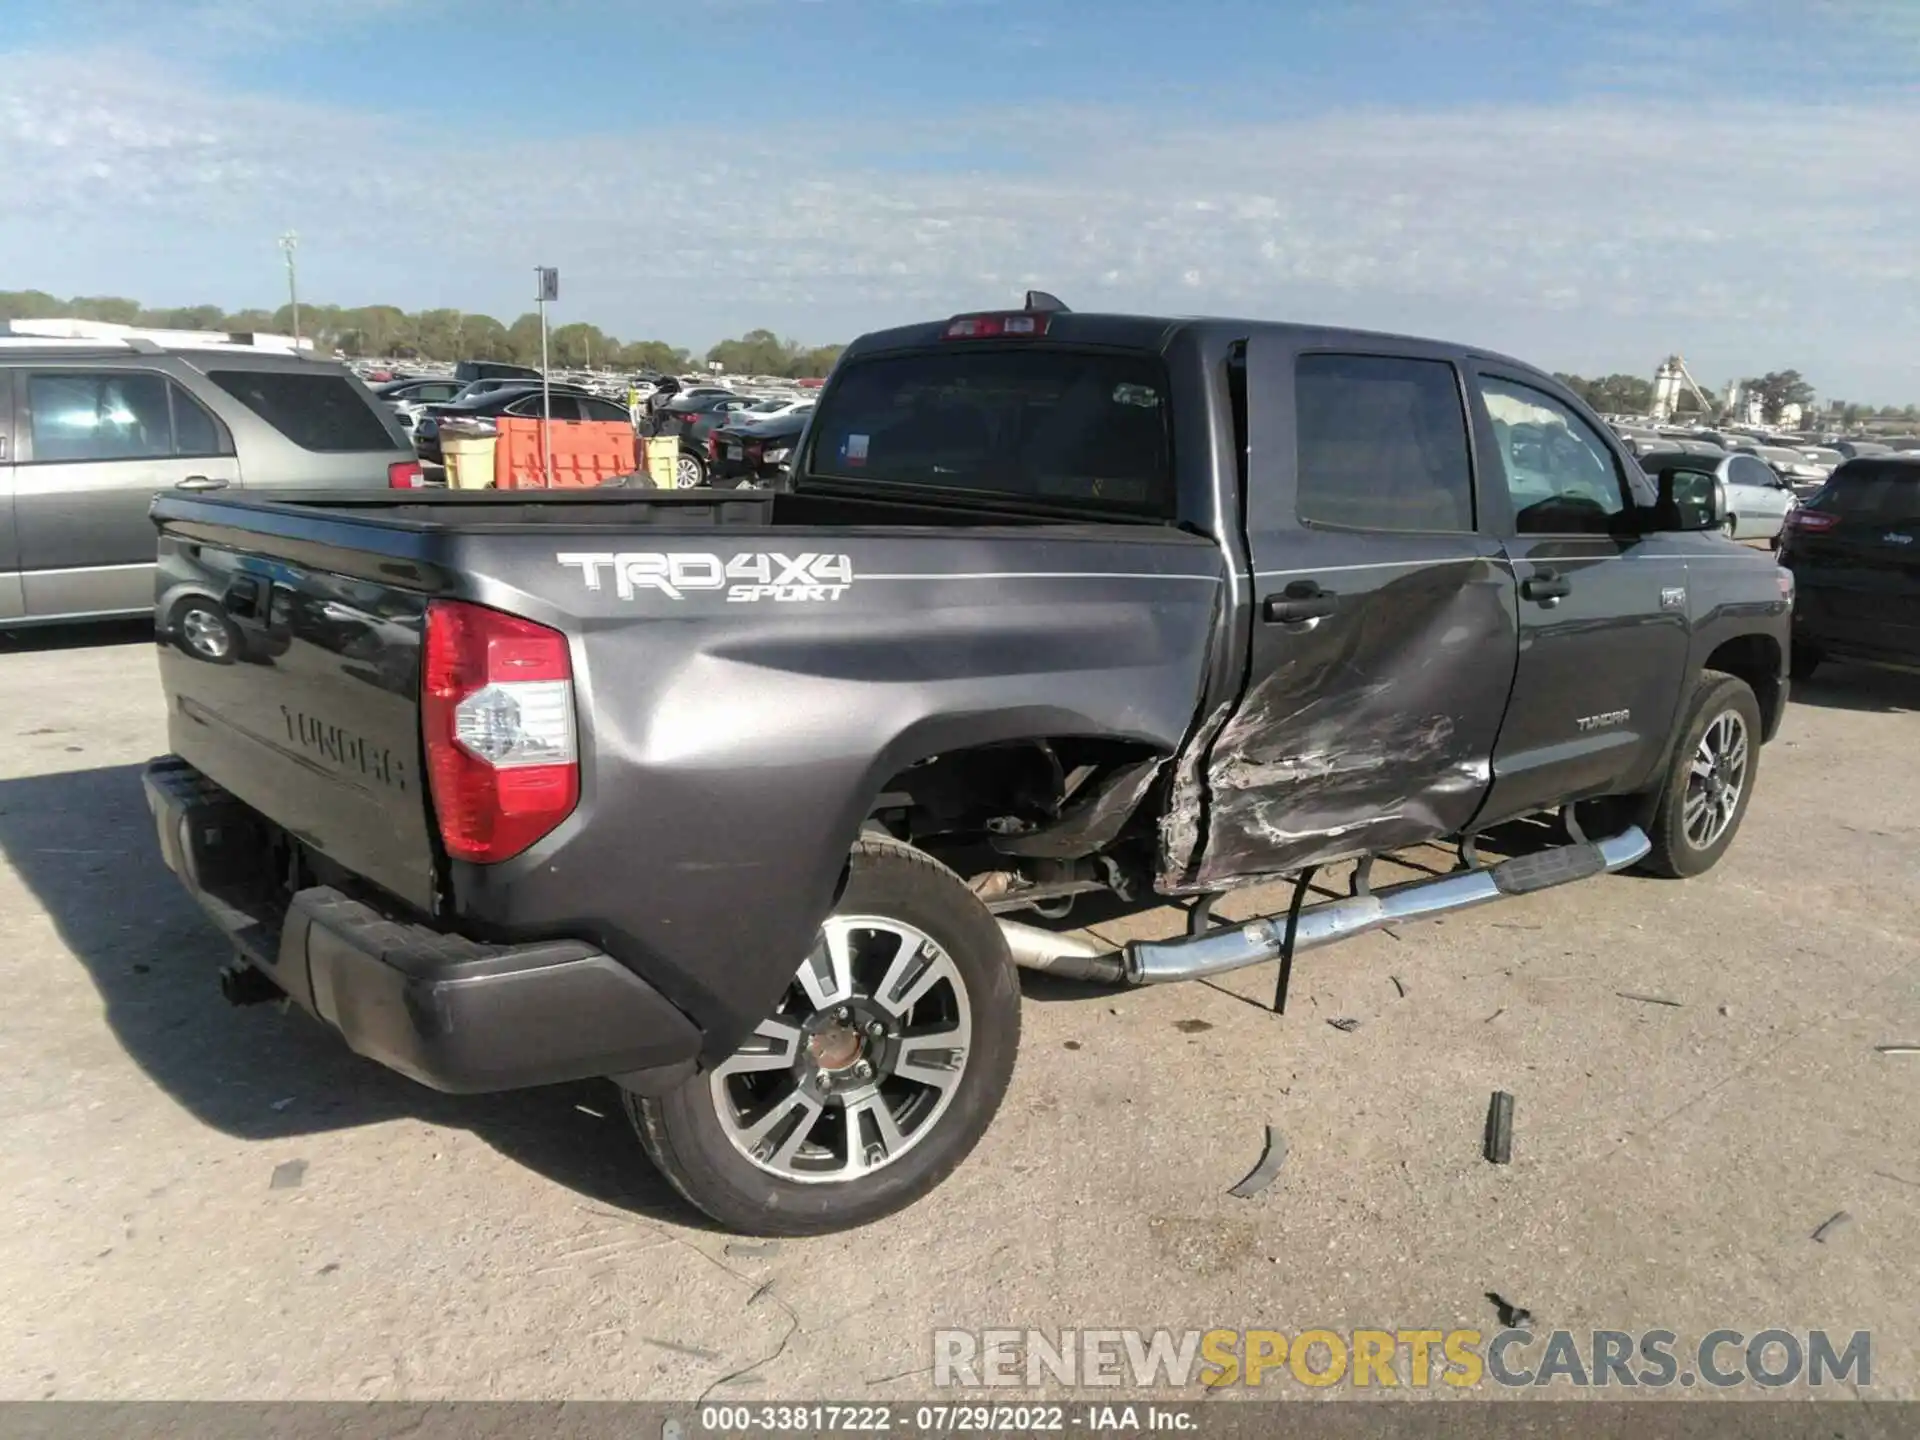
x: 1602, y: 232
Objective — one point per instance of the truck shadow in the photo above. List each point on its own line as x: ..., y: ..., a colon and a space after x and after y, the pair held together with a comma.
x: 83, y: 843
x: 1865, y: 688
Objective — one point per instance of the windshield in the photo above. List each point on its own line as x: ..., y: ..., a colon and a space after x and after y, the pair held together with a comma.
x: 1086, y: 429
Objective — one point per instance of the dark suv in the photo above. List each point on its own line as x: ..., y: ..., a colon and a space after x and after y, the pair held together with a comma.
x: 1854, y: 550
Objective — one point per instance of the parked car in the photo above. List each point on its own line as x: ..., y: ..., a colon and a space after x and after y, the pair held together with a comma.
x: 1854, y: 550
x: 1790, y: 464
x: 468, y: 370
x: 1854, y: 449
x: 754, y: 453
x: 407, y: 398
x: 730, y: 794
x: 1756, y: 499
x: 691, y: 417
x: 91, y: 430
x: 569, y: 403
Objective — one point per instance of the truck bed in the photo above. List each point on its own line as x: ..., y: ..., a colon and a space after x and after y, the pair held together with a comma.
x: 724, y: 730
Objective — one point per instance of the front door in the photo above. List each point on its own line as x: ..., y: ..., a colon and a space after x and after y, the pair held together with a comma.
x: 98, y: 444
x: 1383, y: 635
x: 1603, y: 609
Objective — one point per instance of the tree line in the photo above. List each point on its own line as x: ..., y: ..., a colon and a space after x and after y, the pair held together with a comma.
x: 1777, y: 389
x: 390, y: 332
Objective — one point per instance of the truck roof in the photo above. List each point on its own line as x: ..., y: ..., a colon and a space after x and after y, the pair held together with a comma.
x: 1156, y: 332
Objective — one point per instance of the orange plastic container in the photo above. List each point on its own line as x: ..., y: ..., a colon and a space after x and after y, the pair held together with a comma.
x: 585, y: 452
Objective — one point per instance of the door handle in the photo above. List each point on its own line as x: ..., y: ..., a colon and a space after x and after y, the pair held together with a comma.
x: 200, y: 482
x: 1302, y: 600
x: 1546, y: 586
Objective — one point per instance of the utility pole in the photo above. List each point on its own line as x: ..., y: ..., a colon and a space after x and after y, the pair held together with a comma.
x: 290, y: 242
x: 549, y: 289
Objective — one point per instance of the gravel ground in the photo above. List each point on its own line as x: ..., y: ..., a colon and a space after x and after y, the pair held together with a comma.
x: 210, y: 1203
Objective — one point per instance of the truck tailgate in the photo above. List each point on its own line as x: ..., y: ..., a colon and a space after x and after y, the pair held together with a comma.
x: 298, y: 689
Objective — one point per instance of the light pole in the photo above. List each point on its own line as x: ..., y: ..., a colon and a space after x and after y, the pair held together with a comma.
x: 290, y: 242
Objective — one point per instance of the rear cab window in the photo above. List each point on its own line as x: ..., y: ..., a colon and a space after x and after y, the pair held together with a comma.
x: 321, y: 412
x: 1046, y: 426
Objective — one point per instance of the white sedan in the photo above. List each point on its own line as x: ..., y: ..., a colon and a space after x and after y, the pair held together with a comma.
x: 1757, y: 499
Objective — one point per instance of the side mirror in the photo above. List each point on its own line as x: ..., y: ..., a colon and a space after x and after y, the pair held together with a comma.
x: 1690, y: 500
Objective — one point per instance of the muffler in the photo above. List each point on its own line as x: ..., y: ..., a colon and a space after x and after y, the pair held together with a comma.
x: 1215, y: 952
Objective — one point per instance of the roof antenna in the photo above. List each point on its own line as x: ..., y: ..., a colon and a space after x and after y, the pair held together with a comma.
x: 1041, y: 300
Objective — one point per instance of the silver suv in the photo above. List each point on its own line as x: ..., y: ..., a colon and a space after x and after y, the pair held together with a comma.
x: 92, y: 426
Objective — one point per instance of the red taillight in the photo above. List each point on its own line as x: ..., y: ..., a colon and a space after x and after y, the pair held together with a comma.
x: 1022, y: 325
x: 1814, y: 522
x: 496, y: 701
x: 713, y: 444
x: 405, y: 475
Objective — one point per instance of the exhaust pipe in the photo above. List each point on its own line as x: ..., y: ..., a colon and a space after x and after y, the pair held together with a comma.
x: 1150, y: 962
x: 1062, y: 955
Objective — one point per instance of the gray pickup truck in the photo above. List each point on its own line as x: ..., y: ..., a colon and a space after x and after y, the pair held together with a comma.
x: 729, y: 796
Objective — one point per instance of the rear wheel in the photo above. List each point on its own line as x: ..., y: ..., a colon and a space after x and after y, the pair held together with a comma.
x: 875, y: 1075
x: 1709, y: 780
x: 689, y: 472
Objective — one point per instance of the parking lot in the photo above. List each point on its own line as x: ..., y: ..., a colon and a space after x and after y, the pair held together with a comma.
x: 207, y: 1202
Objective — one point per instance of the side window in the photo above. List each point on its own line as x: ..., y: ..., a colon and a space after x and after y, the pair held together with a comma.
x: 604, y: 410
x: 565, y: 407
x: 195, y: 432
x: 99, y: 415
x: 1745, y: 470
x: 1561, y: 475
x: 316, y: 409
x: 1382, y: 444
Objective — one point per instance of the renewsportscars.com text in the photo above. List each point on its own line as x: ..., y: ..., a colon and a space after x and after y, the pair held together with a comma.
x: 1387, y: 1359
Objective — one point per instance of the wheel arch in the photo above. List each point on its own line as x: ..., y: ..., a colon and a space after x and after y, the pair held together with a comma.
x: 1760, y: 662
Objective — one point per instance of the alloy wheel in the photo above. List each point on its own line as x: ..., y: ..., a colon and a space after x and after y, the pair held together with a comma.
x: 859, y: 1061
x: 1716, y: 780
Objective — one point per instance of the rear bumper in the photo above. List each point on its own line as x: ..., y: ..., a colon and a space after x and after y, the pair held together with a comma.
x: 452, y: 1013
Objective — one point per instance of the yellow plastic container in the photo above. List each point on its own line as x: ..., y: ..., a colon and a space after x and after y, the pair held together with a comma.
x: 469, y: 461
x: 663, y: 460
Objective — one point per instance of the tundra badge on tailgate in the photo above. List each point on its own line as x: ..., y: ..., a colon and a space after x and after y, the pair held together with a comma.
x: 747, y: 576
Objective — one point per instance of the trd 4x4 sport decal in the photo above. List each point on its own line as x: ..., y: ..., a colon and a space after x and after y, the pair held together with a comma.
x: 748, y: 576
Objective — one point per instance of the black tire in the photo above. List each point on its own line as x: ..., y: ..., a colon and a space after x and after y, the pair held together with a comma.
x: 202, y: 630
x: 1678, y: 854
x: 1804, y: 661
x: 685, y: 1137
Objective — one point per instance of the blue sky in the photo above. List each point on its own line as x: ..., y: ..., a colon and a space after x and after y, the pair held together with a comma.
x: 1588, y: 183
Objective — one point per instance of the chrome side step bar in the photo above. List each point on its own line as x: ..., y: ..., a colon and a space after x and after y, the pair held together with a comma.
x: 1215, y: 952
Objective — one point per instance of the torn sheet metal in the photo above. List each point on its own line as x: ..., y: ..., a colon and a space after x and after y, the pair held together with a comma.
x: 1091, y: 821
x: 1267, y: 1170
x: 1368, y: 731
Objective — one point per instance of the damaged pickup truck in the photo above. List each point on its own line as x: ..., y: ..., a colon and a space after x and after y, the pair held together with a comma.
x: 728, y: 796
